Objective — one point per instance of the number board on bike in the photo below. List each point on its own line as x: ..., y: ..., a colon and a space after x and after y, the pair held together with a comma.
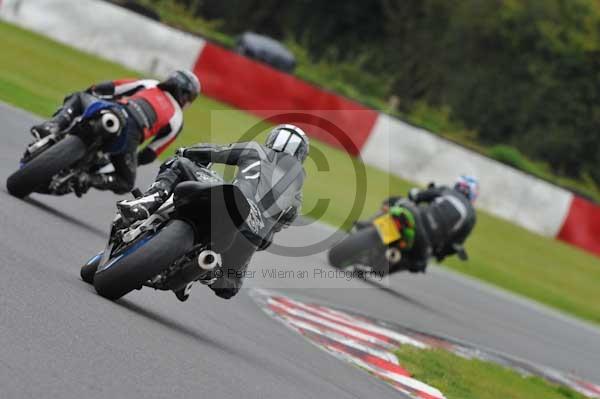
x: 388, y: 231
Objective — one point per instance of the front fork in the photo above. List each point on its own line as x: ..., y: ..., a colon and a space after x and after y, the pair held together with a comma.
x: 128, y: 235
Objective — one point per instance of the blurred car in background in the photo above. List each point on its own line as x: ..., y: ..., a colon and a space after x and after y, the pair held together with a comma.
x: 265, y: 49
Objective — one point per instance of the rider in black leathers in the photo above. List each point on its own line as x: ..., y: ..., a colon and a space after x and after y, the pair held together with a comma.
x: 444, y: 217
x: 270, y: 176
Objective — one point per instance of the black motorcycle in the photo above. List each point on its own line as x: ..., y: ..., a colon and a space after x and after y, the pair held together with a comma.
x: 377, y: 245
x: 53, y: 164
x: 175, y: 246
x: 371, y: 244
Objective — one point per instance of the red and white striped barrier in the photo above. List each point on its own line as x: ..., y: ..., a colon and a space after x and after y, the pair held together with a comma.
x: 380, y: 140
x: 266, y: 92
x: 582, y: 225
x: 369, y: 344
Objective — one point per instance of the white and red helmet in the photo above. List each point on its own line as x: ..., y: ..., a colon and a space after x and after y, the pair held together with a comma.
x: 183, y: 85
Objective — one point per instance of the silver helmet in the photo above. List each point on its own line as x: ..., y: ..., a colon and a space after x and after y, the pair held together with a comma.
x: 289, y: 139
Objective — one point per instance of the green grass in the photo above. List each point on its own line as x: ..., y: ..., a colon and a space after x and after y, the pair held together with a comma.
x: 460, y: 378
x: 36, y: 73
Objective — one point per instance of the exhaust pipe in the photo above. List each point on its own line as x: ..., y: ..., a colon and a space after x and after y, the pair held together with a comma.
x: 393, y: 255
x: 111, y: 123
x: 208, y: 260
x: 193, y: 270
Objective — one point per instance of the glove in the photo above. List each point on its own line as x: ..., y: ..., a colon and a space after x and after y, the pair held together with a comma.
x: 181, y: 152
x: 104, y: 90
x: 286, y: 219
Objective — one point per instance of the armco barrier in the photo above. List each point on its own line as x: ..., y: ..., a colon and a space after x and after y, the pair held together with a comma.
x: 108, y: 31
x: 418, y: 155
x: 266, y: 92
x: 387, y: 143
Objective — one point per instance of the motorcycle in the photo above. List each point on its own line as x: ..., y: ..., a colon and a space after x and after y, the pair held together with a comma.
x: 373, y: 245
x: 176, y: 245
x: 53, y: 164
x: 378, y: 245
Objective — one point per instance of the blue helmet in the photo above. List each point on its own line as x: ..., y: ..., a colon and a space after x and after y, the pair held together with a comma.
x: 469, y: 186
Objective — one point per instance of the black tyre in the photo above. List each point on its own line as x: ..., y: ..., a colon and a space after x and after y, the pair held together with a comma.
x: 355, y: 247
x: 40, y: 170
x: 147, y: 261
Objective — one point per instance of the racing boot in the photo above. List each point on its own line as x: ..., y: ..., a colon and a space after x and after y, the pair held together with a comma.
x: 141, y: 208
x: 96, y: 180
x: 61, y: 120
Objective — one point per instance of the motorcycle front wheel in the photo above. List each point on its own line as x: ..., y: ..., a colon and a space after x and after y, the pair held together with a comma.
x: 144, y: 260
x: 39, y: 171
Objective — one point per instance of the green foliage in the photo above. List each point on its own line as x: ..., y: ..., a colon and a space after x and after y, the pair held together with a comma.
x: 439, y: 120
x: 347, y: 78
x: 460, y: 378
x: 433, y: 119
x: 176, y: 14
x: 585, y: 186
x: 513, y: 157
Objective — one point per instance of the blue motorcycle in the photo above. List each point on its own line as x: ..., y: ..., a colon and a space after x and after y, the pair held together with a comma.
x: 177, y: 245
x: 53, y: 164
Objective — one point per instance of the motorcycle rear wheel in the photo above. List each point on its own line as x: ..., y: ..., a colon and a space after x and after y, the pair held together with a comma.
x: 40, y: 170
x: 354, y: 247
x: 130, y: 271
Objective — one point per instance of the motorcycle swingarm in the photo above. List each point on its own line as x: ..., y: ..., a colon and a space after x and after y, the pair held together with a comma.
x: 164, y: 281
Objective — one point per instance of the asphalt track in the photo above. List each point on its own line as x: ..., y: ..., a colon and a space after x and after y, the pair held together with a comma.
x: 59, y: 339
